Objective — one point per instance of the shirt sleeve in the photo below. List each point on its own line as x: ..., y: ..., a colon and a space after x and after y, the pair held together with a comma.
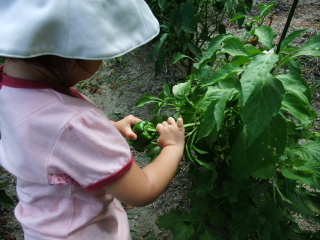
x: 91, y: 151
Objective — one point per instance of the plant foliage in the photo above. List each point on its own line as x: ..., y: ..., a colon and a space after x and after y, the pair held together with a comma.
x: 187, y: 25
x: 254, y: 163
x: 5, y: 200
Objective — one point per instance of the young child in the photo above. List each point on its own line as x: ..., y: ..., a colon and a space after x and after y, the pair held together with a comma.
x: 70, y: 161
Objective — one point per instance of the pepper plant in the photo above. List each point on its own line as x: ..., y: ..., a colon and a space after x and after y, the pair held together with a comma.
x: 187, y: 25
x: 254, y: 162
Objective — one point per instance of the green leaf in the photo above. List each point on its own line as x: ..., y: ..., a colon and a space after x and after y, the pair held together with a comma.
x: 312, y: 43
x: 238, y: 16
x: 208, y: 122
x: 188, y: 29
x: 304, y: 201
x: 295, y: 233
x: 264, y: 171
x: 178, y: 56
x: 217, y: 217
x: 262, y: 105
x: 188, y: 10
x: 297, y: 82
x: 205, y: 179
x: 220, y: 107
x: 182, y: 89
x: 159, y: 44
x: 271, y: 232
x: 234, y: 47
x: 294, y: 66
x: 248, y: 159
x: 204, y: 73
x: 212, y: 95
x: 181, y: 231
x: 310, y: 150
x: 266, y: 8
x: 258, y: 69
x: 168, y: 220
x: 307, y: 52
x: 244, y: 220
x: 161, y: 4
x: 229, y: 4
x: 233, y: 188
x: 210, y: 235
x: 166, y: 90
x: 306, y: 171
x: 195, y: 49
x: 199, y: 228
x: 265, y: 35
x: 301, y: 173
x: 145, y: 99
x: 240, y: 9
x: 272, y: 228
x: 283, y: 198
x: 160, y: 61
x: 271, y: 143
x: 212, y: 48
x: 293, y: 104
x: 240, y: 60
x: 231, y: 82
x: 242, y: 162
x: 292, y: 36
x: 251, y: 50
x: 5, y: 200
x: 224, y: 72
x: 305, y: 101
x: 159, y: 118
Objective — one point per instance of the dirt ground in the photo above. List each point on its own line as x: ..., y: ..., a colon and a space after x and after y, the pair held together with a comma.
x: 121, y: 82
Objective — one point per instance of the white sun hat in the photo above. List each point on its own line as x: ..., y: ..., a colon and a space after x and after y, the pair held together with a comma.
x: 82, y: 29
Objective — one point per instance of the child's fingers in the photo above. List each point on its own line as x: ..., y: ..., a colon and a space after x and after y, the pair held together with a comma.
x: 133, y: 120
x: 180, y: 124
x: 171, y: 121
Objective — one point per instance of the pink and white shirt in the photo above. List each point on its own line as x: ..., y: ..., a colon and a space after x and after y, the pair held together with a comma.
x: 63, y: 151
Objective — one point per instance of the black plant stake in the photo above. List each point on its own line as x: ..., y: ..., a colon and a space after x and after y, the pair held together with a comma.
x: 285, y: 30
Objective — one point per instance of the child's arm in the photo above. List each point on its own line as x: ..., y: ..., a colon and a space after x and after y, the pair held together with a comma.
x: 139, y: 187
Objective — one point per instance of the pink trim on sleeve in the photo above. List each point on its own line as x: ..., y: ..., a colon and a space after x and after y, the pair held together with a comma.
x: 111, y: 178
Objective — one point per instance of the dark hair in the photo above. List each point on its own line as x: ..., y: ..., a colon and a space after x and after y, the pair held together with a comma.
x: 54, y: 65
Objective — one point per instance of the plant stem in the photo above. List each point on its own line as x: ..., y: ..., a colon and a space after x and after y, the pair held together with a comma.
x: 152, y: 130
x: 284, y: 33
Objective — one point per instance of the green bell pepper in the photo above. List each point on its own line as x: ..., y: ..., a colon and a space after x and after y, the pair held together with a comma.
x: 153, y: 151
x: 248, y: 26
x: 145, y: 132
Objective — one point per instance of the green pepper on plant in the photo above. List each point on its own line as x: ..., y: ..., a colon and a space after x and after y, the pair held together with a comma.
x: 145, y: 132
x: 152, y: 151
x: 248, y: 26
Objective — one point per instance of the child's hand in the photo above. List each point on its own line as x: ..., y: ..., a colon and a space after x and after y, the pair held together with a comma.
x: 124, y: 126
x: 171, y: 134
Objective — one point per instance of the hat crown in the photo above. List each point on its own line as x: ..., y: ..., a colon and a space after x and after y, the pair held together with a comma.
x: 86, y: 29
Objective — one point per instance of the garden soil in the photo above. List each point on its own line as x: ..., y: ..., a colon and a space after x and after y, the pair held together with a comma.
x: 121, y: 82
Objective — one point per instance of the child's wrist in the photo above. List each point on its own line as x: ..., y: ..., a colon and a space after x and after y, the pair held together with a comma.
x: 173, y: 147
